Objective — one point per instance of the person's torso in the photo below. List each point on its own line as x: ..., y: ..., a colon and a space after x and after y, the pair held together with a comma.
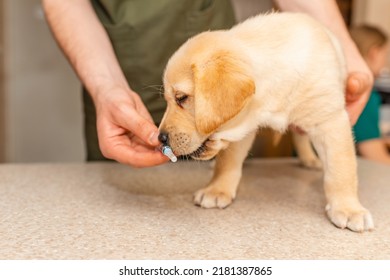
x: 145, y: 33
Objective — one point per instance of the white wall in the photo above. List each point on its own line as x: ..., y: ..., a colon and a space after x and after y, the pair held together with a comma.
x: 43, y: 103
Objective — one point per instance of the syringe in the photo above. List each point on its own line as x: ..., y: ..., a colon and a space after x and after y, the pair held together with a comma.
x: 167, y: 151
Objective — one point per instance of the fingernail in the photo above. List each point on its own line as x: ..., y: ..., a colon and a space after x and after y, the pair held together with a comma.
x: 153, y: 139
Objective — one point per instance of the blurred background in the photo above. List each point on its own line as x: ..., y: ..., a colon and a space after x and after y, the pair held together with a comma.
x: 41, y: 118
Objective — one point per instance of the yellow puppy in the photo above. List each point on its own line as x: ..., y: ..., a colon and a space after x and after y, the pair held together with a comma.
x: 272, y: 70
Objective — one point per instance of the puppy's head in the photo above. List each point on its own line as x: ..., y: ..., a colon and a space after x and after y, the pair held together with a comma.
x: 206, y: 85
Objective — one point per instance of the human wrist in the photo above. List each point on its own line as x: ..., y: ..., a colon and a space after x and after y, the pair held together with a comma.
x: 100, y: 87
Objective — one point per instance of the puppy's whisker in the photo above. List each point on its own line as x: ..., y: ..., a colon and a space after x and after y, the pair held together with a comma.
x: 154, y: 93
x: 158, y: 88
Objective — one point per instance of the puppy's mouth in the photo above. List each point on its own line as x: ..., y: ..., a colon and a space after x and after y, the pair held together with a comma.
x: 203, y: 152
x: 199, y: 151
x: 208, y: 149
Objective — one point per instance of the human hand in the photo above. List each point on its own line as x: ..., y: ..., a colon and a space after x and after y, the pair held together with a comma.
x: 359, y: 84
x: 125, y: 128
x: 358, y: 90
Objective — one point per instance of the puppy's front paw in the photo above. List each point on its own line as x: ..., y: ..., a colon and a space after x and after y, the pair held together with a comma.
x: 355, y: 218
x: 212, y: 197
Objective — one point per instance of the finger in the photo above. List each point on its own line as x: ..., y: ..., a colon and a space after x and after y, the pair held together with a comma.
x: 358, y: 91
x: 148, y: 158
x: 130, y: 150
x: 353, y: 87
x: 139, y: 126
x: 357, y: 84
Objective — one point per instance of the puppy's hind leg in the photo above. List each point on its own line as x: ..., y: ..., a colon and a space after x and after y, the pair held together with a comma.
x: 334, y: 144
x: 222, y: 189
x: 305, y: 151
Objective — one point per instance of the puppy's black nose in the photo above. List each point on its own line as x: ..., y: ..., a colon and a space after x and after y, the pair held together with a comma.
x: 163, y: 138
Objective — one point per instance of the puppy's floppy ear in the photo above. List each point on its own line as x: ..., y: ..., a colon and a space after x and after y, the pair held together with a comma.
x: 222, y: 86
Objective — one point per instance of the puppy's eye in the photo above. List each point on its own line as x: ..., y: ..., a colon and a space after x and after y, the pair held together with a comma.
x: 181, y: 99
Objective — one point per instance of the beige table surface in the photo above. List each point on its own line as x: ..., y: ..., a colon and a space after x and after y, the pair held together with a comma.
x: 110, y: 211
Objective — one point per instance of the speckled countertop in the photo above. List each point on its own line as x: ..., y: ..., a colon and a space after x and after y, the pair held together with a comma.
x: 111, y: 211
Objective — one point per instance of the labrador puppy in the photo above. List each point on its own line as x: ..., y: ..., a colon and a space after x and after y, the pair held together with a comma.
x: 273, y: 70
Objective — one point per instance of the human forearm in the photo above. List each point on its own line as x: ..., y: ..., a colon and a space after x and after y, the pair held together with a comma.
x: 84, y: 41
x: 125, y: 128
x: 325, y: 11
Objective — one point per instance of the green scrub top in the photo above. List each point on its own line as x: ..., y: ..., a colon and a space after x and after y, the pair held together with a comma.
x: 367, y: 126
x: 144, y: 34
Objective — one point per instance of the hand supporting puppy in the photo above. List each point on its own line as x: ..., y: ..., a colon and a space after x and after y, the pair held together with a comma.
x: 358, y: 90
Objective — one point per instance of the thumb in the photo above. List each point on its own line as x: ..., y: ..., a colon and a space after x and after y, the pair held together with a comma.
x: 357, y: 85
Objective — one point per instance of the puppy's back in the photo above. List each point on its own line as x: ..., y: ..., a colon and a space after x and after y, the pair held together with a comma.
x: 288, y: 36
x: 296, y: 60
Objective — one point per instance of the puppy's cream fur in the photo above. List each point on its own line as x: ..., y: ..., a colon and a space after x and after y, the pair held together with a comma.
x: 272, y: 70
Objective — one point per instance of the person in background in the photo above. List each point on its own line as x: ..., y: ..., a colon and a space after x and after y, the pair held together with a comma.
x: 374, y: 47
x: 119, y: 48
